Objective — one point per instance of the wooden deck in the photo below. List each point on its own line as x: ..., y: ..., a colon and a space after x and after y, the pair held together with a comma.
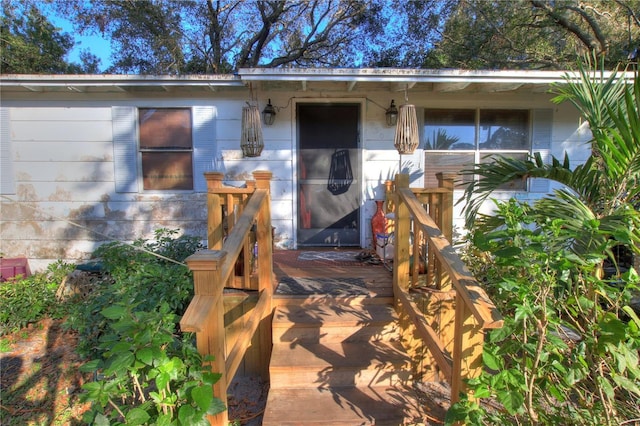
x: 329, y: 278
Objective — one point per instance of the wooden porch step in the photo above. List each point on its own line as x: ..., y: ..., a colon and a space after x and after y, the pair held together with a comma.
x: 350, y: 406
x: 376, y: 363
x: 320, y: 323
x: 338, y: 363
x: 377, y: 299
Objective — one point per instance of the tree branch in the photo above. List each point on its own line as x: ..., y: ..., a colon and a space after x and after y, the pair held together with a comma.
x: 562, y: 20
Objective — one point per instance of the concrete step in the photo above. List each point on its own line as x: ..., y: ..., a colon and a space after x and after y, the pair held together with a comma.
x: 336, y: 406
x: 375, y: 363
x: 320, y: 323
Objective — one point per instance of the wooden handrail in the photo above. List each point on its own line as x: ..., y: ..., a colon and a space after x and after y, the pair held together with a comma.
x: 464, y: 282
x: 213, y: 270
x: 474, y: 310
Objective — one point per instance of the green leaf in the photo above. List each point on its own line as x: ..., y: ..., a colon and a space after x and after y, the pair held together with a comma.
x: 211, y: 378
x: 114, y: 312
x: 186, y: 414
x: 512, y: 401
x: 522, y: 312
x: 101, y: 420
x: 217, y: 406
x: 481, y: 391
x: 492, y: 361
x: 90, y: 366
x: 120, y: 363
x: 628, y: 385
x: 119, y: 347
x: 137, y: 416
x: 92, y: 386
x: 145, y: 355
x: 162, y: 380
x: 164, y: 420
x: 202, y: 396
x: 606, y: 387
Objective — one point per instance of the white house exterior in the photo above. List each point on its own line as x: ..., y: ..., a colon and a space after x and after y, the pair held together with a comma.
x: 72, y: 160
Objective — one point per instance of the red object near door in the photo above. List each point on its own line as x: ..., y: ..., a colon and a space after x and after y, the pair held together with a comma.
x: 378, y: 222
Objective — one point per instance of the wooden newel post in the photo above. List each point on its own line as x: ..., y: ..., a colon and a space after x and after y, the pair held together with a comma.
x: 264, y: 238
x: 215, y: 231
x: 264, y: 234
x: 401, y: 232
x: 206, y: 318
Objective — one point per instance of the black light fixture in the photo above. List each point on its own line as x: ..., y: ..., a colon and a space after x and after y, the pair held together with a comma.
x: 392, y: 114
x: 269, y: 114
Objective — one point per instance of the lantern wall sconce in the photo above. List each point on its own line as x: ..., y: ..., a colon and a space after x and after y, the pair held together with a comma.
x: 269, y: 114
x: 251, y: 140
x: 391, y: 114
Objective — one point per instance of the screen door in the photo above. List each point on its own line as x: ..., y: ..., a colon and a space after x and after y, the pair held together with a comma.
x: 328, y: 172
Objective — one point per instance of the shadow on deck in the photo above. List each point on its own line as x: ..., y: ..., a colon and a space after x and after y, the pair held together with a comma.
x: 337, y: 354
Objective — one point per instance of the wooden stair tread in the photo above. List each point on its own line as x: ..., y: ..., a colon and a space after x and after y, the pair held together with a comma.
x: 369, y: 354
x: 341, y: 406
x: 379, y: 298
x: 333, y: 314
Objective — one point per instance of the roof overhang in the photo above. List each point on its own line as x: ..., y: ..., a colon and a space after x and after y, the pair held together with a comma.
x: 301, y: 79
x: 400, y: 79
x: 104, y: 83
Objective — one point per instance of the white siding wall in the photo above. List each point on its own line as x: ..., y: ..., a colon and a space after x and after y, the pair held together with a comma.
x: 64, y: 165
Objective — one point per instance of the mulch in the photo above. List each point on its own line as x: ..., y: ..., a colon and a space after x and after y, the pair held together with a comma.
x: 39, y: 378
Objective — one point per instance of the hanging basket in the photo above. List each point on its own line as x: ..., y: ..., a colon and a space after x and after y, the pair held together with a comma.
x: 406, y: 139
x: 251, y: 140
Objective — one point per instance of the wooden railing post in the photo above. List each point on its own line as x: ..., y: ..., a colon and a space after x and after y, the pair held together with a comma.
x: 215, y: 231
x: 206, y: 266
x: 446, y: 180
x: 401, y: 235
x: 445, y: 223
x: 468, y: 341
x: 264, y: 237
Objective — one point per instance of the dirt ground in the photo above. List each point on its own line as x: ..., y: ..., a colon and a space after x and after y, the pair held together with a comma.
x: 40, y: 383
x: 39, y: 377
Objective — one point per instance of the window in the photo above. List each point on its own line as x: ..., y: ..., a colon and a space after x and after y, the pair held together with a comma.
x: 166, y: 148
x: 456, y: 139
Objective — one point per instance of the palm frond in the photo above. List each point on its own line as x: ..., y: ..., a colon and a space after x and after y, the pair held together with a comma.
x: 591, y: 94
x: 503, y: 170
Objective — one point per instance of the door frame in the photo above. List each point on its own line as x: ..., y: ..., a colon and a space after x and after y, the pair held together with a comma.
x: 361, y: 102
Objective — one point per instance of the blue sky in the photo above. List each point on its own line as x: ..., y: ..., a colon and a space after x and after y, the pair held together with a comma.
x: 98, y: 45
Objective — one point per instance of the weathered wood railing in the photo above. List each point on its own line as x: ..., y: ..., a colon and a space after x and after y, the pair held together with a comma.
x: 462, y: 308
x: 237, y: 218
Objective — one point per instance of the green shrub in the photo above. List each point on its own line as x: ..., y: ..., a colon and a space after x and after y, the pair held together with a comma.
x: 568, y: 351
x: 27, y: 300
x: 139, y: 278
x: 146, y: 374
x: 146, y: 371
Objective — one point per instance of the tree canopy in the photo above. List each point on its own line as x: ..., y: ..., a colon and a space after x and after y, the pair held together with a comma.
x: 29, y: 43
x: 221, y: 36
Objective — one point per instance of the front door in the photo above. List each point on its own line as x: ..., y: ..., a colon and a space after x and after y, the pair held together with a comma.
x: 328, y: 171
